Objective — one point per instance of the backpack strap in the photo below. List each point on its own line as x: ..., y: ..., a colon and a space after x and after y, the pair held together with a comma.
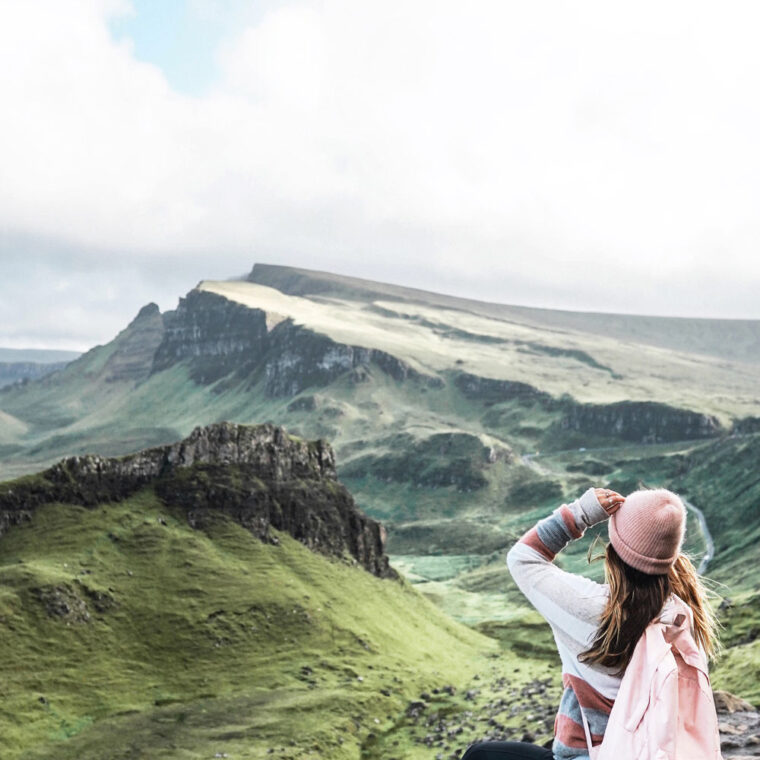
x: 586, y: 729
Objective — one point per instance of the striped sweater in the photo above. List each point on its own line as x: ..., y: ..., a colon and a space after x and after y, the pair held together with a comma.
x: 572, y: 605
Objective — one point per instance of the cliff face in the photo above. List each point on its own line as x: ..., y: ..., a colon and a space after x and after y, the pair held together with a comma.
x: 218, y: 337
x: 746, y: 426
x: 636, y: 421
x: 255, y: 474
x: 491, y: 391
x: 640, y: 421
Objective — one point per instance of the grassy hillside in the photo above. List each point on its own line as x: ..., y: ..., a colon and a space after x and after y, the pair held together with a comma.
x: 734, y: 339
x: 126, y: 633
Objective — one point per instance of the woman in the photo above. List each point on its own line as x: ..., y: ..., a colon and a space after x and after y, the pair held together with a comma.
x: 596, y: 626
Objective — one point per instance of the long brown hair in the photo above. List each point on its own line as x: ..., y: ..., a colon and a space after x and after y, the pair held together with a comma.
x: 636, y: 598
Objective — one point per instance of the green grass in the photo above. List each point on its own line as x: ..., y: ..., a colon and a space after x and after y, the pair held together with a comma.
x: 206, y: 642
x: 738, y: 670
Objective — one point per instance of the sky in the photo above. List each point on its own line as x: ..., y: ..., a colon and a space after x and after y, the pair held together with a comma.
x: 594, y: 156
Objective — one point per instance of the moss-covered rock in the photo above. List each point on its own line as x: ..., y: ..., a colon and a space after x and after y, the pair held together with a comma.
x: 256, y: 474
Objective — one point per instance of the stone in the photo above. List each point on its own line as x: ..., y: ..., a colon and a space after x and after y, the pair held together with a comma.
x: 729, y: 703
x: 414, y: 709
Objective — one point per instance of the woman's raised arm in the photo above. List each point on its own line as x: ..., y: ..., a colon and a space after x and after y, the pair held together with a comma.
x: 554, y: 592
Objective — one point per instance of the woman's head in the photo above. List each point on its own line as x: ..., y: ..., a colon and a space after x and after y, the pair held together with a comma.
x: 644, y: 564
x: 648, y: 530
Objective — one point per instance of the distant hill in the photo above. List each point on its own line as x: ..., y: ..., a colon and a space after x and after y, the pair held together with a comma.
x: 22, y: 365
x: 37, y: 355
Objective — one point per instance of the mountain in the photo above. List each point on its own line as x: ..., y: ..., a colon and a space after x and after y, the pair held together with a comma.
x: 736, y: 339
x: 37, y: 355
x: 435, y: 405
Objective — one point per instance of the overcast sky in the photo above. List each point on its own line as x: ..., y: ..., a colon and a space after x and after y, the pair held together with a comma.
x: 588, y: 155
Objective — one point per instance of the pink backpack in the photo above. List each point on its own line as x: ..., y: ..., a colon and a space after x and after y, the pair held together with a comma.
x: 664, y: 709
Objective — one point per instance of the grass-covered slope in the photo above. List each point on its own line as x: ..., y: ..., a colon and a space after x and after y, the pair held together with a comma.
x: 80, y: 408
x: 592, y: 367
x: 126, y: 633
x: 735, y: 339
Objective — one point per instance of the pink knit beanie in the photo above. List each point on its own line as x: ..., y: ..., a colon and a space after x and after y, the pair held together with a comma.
x: 648, y: 530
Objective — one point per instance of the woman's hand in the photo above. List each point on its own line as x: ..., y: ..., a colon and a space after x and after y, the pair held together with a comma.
x: 611, y: 501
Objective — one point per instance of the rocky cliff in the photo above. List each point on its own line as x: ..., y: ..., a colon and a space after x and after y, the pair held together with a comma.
x: 135, y: 347
x: 214, y: 335
x: 640, y: 422
x: 634, y: 421
x: 491, y: 391
x: 218, y: 337
x: 256, y: 474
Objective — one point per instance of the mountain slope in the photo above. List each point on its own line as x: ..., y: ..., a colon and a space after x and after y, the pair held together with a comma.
x: 733, y: 339
x: 432, y: 339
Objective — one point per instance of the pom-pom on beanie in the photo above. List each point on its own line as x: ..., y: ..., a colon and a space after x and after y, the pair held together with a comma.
x: 648, y: 530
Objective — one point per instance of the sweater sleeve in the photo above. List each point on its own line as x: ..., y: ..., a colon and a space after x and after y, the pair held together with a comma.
x: 555, y: 593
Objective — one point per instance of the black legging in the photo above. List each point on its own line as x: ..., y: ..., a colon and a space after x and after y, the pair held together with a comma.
x: 507, y: 751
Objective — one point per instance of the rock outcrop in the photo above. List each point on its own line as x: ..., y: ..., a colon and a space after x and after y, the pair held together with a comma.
x: 640, y: 422
x: 218, y: 337
x: 739, y: 726
x: 256, y: 474
x: 135, y: 347
x: 746, y: 426
x: 492, y: 391
x: 635, y: 421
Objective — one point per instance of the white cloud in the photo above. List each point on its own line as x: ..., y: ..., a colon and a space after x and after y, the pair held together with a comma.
x: 570, y: 148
